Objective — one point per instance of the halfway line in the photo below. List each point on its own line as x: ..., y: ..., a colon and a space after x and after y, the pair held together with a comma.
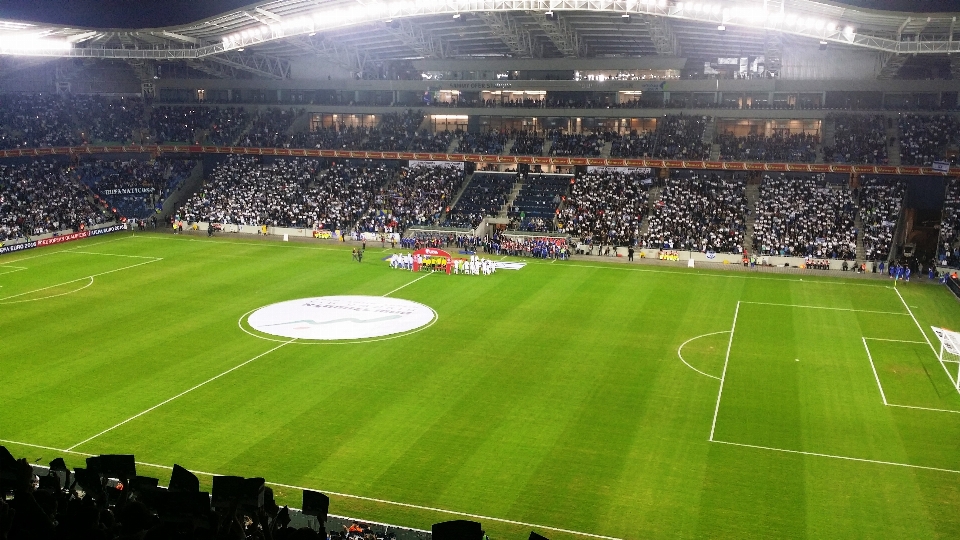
x: 723, y: 376
x: 138, y: 415
x: 411, y: 283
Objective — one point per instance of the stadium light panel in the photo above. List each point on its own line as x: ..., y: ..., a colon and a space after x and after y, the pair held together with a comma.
x: 848, y: 31
x: 831, y: 26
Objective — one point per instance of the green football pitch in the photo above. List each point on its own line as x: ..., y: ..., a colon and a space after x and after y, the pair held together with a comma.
x: 577, y: 399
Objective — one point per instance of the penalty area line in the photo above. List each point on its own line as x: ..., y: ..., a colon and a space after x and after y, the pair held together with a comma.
x: 847, y: 458
x: 349, y: 496
x: 90, y: 277
x: 185, y: 392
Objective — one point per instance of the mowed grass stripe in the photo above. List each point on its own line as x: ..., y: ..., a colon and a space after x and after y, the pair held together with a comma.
x: 548, y: 395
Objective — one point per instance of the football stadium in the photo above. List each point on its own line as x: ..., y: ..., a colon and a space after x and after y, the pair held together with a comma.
x: 565, y: 269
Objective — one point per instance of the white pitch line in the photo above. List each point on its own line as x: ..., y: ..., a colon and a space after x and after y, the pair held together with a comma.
x: 90, y: 277
x: 48, y: 297
x: 895, y: 340
x: 350, y: 496
x: 680, y: 348
x: 411, y: 283
x: 932, y: 348
x: 162, y: 403
x: 112, y: 254
x: 723, y: 376
x: 717, y: 273
x: 825, y: 307
x: 15, y: 269
x: 847, y: 458
x: 883, y: 396
x: 923, y: 408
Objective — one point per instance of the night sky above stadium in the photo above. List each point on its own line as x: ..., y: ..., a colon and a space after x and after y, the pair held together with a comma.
x: 154, y: 13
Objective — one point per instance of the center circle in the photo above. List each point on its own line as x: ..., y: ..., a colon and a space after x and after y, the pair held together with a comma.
x: 340, y: 317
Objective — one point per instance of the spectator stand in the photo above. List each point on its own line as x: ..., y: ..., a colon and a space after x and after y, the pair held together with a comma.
x: 271, y: 128
x: 925, y: 139
x: 135, y: 189
x: 879, y: 201
x: 948, y: 247
x: 43, y: 197
x: 699, y: 212
x: 858, y: 139
x: 607, y: 206
x: 484, y: 196
x: 537, y: 204
x: 805, y: 216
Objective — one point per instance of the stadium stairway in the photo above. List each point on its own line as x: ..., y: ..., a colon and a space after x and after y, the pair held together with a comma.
x: 546, y: 147
x: 607, y: 148
x: 861, y: 251
x: 300, y: 124
x: 456, y: 197
x: 715, y: 152
x: 507, y: 147
x: 510, y: 199
x: 653, y: 196
x: 709, y: 131
x: 893, y: 144
x: 829, y: 139
x: 753, y: 195
x: 454, y: 145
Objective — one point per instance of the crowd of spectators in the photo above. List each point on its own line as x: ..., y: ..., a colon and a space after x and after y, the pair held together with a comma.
x: 36, y: 120
x: 793, y: 148
x: 879, y: 201
x: 858, y: 139
x: 526, y: 143
x: 89, y: 503
x: 699, y: 212
x: 135, y: 189
x: 184, y: 124
x: 421, y: 194
x: 245, y: 191
x: 924, y: 139
x: 490, y: 143
x: 270, y: 128
x: 634, y: 145
x: 351, y: 196
x: 484, y: 196
x: 43, y: 197
x: 424, y: 141
x: 578, y: 144
x: 340, y: 137
x: 109, y: 120
x: 948, y: 250
x: 395, y: 132
x: 804, y: 217
x: 681, y: 137
x: 535, y: 208
x: 606, y: 207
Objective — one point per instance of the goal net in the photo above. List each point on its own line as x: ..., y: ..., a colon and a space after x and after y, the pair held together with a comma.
x: 950, y: 353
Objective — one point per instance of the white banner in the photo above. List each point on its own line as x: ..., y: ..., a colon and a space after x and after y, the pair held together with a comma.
x: 637, y: 170
x: 448, y: 164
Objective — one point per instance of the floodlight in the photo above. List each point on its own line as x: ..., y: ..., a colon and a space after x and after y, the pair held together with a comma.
x: 715, y: 9
x: 819, y: 24
x: 662, y: 3
x: 698, y: 7
x: 680, y: 6
x: 848, y: 31
x: 831, y: 26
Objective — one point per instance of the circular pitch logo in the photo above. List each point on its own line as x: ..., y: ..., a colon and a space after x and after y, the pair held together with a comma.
x: 341, y: 317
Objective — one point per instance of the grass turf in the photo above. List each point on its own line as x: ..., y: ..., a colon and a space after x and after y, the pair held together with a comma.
x: 553, y: 395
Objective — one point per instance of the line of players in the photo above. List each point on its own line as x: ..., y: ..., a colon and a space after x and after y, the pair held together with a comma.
x: 473, y: 266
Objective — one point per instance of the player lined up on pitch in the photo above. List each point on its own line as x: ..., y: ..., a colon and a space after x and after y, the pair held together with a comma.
x: 416, y: 262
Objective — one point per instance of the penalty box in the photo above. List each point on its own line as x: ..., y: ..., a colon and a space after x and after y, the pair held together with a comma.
x: 797, y: 379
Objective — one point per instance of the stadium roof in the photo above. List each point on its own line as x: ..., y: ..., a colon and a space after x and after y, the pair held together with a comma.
x: 263, y: 37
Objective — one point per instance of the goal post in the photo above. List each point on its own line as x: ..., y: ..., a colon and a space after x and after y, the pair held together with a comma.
x: 949, y: 354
